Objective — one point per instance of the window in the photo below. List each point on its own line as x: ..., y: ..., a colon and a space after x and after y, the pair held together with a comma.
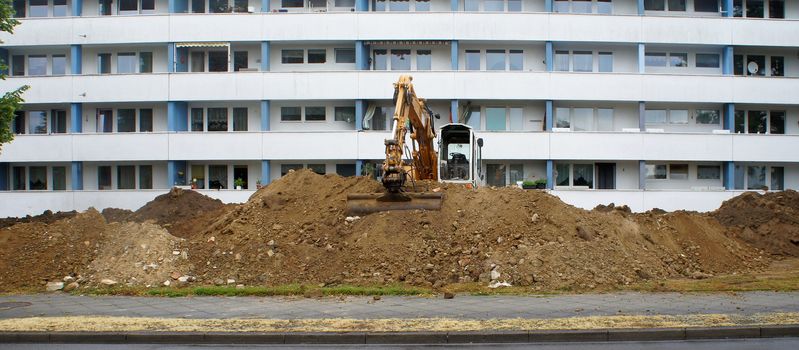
x: 197, y: 6
x: 738, y: 64
x: 604, y: 119
x: 380, y: 5
x: 104, y: 63
x: 562, y: 175
x: 380, y: 118
x: 198, y: 176
x: 777, y: 66
x: 217, y: 177
x: 317, y: 55
x: 148, y: 6
x: 104, y: 120
x: 494, y: 5
x: 561, y: 6
x: 777, y: 178
x: 198, y: 61
x: 37, y: 65
x: 423, y: 60
x: 380, y: 59
x: 581, y: 6
x: 38, y: 8
x: 60, y: 178
x: 756, y: 65
x: 145, y: 177
x: 128, y: 5
x: 344, y: 3
x: 240, y: 60
x: 678, y: 116
x: 678, y: 171
x: 516, y: 173
x: 754, y: 8
x: 197, y: 119
x: 19, y: 8
x: 583, y: 175
x: 399, y: 5
x: 755, y: 177
x: 583, y: 61
x: 126, y: 62
x: 495, y: 175
x: 655, y: 59
x: 706, y: 5
x: 582, y: 119
x: 285, y: 168
x: 18, y: 175
x: 776, y: 9
x: 217, y: 6
x: 59, y: 122
x: 495, y: 59
x: 217, y: 119
x: 240, y: 173
x: 604, y: 7
x: 290, y: 114
x: 678, y: 59
x: 291, y: 3
x: 37, y: 180
x: 345, y: 114
x: 655, y: 116
x: 562, y: 61
x: 318, y: 168
x: 707, y: 116
x: 708, y: 172
x: 18, y: 125
x: 126, y: 177
x: 240, y: 5
x: 516, y: 118
x: 777, y: 122
x: 146, y: 120
x: 740, y: 122
x: 472, y: 59
x: 400, y: 59
x: 106, y: 7
x: 240, y: 119
x: 471, y: 5
x: 562, y: 117
x: 345, y: 55
x: 422, y: 5
x: 126, y: 120
x: 514, y: 5
x: 38, y: 122
x: 292, y: 56
x: 60, y: 65
x: 605, y: 61
x: 345, y: 169
x: 757, y: 122
x: 516, y: 59
x: 104, y: 177
x: 656, y: 171
x: 708, y: 60
x: 217, y: 61
x: 495, y: 119
x: 654, y: 5
x: 315, y: 114
x: 18, y: 65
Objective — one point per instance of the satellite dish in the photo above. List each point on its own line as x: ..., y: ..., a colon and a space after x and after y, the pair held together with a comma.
x: 752, y: 67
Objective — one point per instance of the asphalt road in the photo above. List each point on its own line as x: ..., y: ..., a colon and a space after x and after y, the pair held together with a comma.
x: 731, y: 344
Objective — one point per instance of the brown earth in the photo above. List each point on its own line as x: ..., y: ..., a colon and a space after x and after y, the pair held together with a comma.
x: 47, y: 217
x: 768, y: 221
x: 296, y: 231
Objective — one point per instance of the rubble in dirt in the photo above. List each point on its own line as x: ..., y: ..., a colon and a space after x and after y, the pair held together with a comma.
x: 175, y: 207
x: 46, y: 217
x: 768, y: 221
x: 116, y: 214
x: 296, y: 231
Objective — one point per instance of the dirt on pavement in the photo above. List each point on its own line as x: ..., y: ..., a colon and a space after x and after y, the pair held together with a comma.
x: 296, y: 230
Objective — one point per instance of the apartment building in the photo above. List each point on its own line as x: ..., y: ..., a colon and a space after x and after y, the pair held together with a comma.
x: 674, y: 104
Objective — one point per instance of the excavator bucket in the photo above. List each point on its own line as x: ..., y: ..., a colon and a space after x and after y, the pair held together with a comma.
x: 365, y: 203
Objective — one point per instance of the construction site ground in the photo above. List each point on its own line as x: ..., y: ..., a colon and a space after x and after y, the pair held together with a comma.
x: 296, y: 232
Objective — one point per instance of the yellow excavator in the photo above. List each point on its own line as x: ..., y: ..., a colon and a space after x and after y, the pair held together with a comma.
x: 460, y: 161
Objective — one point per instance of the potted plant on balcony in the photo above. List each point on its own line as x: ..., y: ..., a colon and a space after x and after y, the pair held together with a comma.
x: 258, y: 185
x: 528, y: 184
x: 239, y: 183
x: 541, y: 184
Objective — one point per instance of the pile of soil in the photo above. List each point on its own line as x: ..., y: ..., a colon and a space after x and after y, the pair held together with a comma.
x: 768, y: 221
x: 177, y: 206
x: 116, y: 214
x: 296, y: 231
x: 46, y: 217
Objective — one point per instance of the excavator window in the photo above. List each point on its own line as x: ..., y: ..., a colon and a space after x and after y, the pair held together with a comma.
x: 455, y: 154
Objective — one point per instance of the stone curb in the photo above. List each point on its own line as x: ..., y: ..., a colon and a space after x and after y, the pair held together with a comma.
x: 598, y: 335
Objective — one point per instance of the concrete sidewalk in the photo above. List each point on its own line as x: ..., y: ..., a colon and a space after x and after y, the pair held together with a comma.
x: 461, y: 307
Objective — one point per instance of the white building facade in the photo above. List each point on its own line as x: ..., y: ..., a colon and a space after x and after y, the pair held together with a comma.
x: 674, y: 104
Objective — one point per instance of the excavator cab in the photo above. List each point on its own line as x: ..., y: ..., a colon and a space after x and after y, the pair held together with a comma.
x: 460, y: 155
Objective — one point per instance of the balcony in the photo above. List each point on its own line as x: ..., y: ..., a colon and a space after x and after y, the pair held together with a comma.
x: 520, y: 26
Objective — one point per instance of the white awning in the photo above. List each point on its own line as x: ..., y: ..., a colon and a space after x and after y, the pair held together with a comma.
x: 210, y: 44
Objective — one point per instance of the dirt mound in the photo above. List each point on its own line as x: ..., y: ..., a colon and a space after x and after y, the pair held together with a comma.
x: 769, y: 221
x: 32, y: 253
x: 141, y: 254
x: 116, y: 214
x: 46, y: 217
x: 176, y: 206
x: 296, y: 231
